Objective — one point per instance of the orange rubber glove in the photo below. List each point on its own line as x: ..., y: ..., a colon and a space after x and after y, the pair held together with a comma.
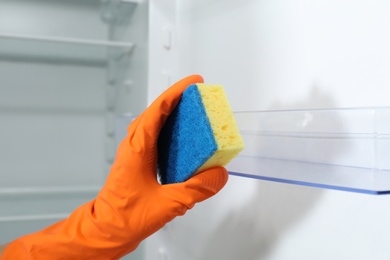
x: 132, y: 204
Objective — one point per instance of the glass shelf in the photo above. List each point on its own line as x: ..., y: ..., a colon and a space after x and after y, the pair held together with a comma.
x: 341, y: 149
x: 61, y: 50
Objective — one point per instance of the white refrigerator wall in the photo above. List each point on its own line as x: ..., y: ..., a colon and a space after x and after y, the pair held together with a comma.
x: 282, y: 54
x: 52, y: 118
x: 56, y: 131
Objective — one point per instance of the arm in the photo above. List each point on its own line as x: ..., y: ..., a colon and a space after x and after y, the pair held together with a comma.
x: 131, y: 205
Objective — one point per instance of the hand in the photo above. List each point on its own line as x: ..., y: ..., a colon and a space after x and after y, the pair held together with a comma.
x: 132, y: 204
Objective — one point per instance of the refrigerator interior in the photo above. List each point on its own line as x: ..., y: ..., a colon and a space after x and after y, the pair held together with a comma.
x: 57, y: 113
x: 322, y: 65
x: 67, y: 69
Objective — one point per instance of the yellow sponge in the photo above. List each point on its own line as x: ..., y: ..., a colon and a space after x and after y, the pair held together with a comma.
x: 222, y: 122
x: 200, y: 133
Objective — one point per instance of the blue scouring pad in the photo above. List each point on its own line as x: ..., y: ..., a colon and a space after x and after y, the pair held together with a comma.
x: 200, y: 133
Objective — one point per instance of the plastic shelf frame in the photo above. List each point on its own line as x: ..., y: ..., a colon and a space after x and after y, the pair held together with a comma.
x: 46, y: 49
x: 342, y: 149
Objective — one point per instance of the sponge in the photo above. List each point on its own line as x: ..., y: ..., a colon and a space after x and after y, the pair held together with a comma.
x: 199, y: 134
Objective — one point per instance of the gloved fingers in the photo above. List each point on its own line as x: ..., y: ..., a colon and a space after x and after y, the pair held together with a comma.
x: 198, y: 188
x: 153, y: 118
x: 137, y: 151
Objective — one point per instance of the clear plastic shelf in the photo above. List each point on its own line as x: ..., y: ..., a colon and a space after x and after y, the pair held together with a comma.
x: 46, y: 49
x: 341, y: 149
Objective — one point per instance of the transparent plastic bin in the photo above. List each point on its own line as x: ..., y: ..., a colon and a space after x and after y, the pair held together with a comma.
x: 342, y: 149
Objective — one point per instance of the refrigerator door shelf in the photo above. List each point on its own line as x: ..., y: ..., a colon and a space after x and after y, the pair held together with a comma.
x: 342, y: 149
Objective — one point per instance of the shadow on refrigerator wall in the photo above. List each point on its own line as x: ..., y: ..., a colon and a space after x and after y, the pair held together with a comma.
x: 253, y: 230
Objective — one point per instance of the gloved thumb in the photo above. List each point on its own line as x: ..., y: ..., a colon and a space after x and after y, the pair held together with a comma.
x: 183, y: 196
